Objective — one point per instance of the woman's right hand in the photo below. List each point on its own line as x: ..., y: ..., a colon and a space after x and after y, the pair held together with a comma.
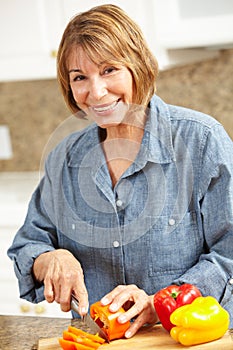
x: 62, y: 275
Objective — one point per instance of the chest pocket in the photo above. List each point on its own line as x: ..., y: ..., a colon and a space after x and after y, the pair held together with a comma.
x: 174, y: 244
x: 88, y: 233
x: 75, y: 230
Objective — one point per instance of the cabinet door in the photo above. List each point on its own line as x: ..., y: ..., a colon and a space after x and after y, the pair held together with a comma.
x: 27, y: 38
x: 188, y: 23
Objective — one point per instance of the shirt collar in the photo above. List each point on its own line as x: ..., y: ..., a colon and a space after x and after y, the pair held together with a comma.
x: 157, y: 144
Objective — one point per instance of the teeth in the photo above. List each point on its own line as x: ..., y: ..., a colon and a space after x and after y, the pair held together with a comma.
x: 105, y: 108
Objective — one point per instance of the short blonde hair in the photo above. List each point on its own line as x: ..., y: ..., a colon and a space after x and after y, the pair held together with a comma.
x: 106, y: 33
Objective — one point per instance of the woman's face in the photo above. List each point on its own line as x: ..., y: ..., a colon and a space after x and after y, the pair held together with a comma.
x: 102, y: 91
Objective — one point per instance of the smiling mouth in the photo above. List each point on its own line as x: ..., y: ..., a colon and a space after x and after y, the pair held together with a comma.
x: 105, y: 108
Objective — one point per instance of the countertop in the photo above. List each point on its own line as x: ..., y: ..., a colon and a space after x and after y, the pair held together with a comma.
x: 23, y: 332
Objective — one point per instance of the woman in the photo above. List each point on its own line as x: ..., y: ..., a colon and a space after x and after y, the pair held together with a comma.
x: 137, y: 201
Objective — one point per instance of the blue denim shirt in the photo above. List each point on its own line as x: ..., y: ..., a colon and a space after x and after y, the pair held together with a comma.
x: 169, y: 219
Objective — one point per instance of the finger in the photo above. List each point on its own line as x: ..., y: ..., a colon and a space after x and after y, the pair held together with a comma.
x: 108, y: 298
x: 65, y: 298
x: 125, y: 294
x: 83, y: 300
x: 80, y: 292
x: 133, y: 312
x: 146, y: 314
x: 53, y: 278
x: 49, y: 291
x: 57, y: 289
x: 134, y: 327
x: 65, y: 285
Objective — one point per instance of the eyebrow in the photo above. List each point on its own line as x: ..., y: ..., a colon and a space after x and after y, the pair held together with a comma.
x: 76, y: 70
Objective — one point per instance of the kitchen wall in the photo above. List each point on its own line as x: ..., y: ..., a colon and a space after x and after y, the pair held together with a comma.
x: 34, y: 109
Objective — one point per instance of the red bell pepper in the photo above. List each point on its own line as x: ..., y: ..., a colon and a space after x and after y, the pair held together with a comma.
x: 172, y: 297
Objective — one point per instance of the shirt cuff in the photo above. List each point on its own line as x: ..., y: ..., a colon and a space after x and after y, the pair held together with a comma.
x: 29, y: 289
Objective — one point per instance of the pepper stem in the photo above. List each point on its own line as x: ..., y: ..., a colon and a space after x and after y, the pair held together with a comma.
x: 174, y: 295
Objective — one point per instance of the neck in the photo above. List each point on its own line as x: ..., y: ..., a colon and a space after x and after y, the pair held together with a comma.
x: 131, y: 128
x: 123, y: 131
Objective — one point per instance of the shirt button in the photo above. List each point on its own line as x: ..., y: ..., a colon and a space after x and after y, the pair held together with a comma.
x: 116, y: 244
x: 172, y: 222
x: 231, y: 281
x: 119, y: 203
x: 73, y: 226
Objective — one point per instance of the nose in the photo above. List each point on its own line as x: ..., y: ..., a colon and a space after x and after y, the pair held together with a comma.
x: 97, y: 88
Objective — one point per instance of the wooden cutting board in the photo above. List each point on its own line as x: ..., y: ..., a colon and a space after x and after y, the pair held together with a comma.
x: 148, y: 338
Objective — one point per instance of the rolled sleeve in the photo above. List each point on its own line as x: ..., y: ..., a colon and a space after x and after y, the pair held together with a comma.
x: 29, y: 289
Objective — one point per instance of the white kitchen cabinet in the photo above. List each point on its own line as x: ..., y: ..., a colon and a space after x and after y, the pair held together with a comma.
x: 29, y: 32
x: 191, y: 24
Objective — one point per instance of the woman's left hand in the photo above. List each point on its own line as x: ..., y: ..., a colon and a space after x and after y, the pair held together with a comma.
x: 136, y: 302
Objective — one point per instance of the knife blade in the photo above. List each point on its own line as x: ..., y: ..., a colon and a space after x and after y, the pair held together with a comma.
x: 88, y: 320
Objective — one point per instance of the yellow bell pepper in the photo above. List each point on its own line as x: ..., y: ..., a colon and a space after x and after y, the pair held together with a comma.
x: 202, y: 321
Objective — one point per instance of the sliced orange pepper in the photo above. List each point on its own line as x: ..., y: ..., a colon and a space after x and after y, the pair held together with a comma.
x: 81, y: 339
x: 70, y: 345
x: 79, y: 332
x: 107, y: 320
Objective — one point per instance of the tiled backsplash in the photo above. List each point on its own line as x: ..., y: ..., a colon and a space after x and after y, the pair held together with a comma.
x: 34, y: 109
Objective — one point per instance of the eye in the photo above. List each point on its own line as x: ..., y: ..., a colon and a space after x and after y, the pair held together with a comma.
x: 78, y: 77
x: 109, y: 70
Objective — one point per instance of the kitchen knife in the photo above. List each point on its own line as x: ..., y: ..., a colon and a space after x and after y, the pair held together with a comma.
x: 88, y: 320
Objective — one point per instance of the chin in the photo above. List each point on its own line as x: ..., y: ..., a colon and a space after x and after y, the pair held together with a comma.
x: 110, y: 120
x: 107, y: 124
